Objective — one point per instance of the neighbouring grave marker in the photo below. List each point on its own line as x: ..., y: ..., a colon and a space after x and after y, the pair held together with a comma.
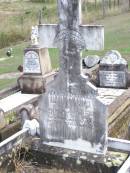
x: 69, y: 111
x: 113, y: 70
x: 31, y: 62
x: 36, y: 64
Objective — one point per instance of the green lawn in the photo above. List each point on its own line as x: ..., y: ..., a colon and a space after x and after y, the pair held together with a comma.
x: 11, y: 64
x: 117, y: 35
x: 7, y: 83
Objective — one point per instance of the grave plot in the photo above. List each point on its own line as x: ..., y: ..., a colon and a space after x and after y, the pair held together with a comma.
x: 17, y: 103
x: 73, y: 119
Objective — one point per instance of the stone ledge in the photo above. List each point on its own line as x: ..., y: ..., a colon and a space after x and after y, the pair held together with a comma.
x: 75, y: 161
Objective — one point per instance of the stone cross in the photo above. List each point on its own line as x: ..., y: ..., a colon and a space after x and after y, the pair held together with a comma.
x: 92, y: 35
x: 70, y: 115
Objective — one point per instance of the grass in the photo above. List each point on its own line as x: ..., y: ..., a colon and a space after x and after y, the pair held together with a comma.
x: 11, y: 64
x: 117, y: 31
x: 17, y: 18
x: 7, y: 83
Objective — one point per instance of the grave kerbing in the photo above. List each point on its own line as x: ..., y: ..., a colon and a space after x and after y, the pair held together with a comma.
x: 69, y: 111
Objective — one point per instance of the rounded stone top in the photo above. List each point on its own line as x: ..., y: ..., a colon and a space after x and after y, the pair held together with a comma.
x: 91, y: 60
x: 113, y: 57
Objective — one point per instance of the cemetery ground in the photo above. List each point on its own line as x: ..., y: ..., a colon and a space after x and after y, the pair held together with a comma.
x: 115, y: 103
x: 117, y: 30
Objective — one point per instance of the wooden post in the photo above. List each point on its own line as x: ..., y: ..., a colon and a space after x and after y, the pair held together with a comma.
x: 119, y: 2
x: 103, y: 8
x: 95, y: 4
x: 114, y: 3
x: 109, y: 4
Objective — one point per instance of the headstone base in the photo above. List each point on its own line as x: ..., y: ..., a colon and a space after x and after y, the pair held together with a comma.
x: 76, y: 161
x: 33, y: 84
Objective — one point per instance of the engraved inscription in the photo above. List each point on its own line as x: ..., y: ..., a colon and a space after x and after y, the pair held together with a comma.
x: 72, y: 35
x: 31, y: 62
x: 110, y: 78
x: 70, y: 115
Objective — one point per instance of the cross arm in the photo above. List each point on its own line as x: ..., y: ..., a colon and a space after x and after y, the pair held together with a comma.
x: 47, y: 34
x: 92, y: 35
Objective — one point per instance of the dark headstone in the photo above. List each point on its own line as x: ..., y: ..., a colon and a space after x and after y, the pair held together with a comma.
x: 113, y: 70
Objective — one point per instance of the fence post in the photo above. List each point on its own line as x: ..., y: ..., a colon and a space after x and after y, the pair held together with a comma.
x: 119, y: 2
x: 109, y: 4
x: 114, y: 3
x: 103, y: 8
x: 95, y: 4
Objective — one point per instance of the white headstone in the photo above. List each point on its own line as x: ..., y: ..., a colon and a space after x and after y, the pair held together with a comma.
x: 31, y: 62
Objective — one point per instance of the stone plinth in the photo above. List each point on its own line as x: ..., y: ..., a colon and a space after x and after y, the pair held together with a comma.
x: 75, y: 161
x: 32, y: 84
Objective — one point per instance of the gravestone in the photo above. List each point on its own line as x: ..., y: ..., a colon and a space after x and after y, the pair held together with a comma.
x: 113, y: 70
x: 36, y: 64
x: 69, y: 111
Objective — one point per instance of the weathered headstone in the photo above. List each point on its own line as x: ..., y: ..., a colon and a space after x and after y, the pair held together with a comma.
x: 70, y: 115
x: 36, y: 61
x: 113, y: 70
x: 36, y: 64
